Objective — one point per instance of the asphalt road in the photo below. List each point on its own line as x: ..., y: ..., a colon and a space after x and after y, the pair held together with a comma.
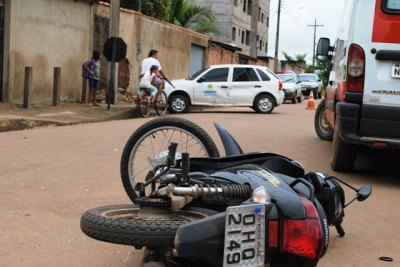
x: 50, y: 176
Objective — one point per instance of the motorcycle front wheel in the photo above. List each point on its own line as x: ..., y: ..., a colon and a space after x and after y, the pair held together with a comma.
x: 147, y: 148
x: 130, y: 225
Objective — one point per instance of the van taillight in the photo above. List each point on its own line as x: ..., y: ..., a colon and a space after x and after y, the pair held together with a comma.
x: 304, y: 237
x: 280, y: 85
x: 355, y: 69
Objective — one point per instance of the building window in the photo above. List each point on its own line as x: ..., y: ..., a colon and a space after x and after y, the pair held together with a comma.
x: 250, y: 7
x: 247, y: 37
x: 235, y: 2
x: 262, y: 17
x: 243, y: 36
x: 259, y: 14
x: 261, y: 45
x: 244, y: 5
x: 267, y: 21
x: 266, y: 47
x: 233, y: 34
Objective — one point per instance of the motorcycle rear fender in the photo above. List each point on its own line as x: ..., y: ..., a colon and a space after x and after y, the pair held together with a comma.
x: 202, y: 240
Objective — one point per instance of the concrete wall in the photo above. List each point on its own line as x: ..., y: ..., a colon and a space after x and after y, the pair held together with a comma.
x: 142, y: 33
x: 44, y: 34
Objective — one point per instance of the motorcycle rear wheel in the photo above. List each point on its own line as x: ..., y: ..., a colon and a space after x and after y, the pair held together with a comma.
x: 129, y: 225
x: 147, y: 148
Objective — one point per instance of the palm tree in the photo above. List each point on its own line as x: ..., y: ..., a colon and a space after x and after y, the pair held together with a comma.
x: 191, y: 16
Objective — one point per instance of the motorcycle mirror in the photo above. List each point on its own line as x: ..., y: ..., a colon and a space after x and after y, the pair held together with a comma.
x: 364, y: 192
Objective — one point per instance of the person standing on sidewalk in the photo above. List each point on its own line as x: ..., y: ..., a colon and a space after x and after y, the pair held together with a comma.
x: 147, y: 63
x: 93, y: 67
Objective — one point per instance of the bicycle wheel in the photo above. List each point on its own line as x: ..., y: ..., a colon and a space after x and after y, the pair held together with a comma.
x: 147, y: 148
x: 144, y: 106
x: 162, y: 105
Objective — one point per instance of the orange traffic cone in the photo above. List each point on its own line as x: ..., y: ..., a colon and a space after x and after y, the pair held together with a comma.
x: 311, y: 104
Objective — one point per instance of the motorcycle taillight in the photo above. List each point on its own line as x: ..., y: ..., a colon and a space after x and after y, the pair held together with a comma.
x: 304, y: 237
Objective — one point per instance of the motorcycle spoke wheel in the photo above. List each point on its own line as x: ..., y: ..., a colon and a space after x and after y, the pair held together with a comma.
x: 147, y: 149
x: 162, y: 105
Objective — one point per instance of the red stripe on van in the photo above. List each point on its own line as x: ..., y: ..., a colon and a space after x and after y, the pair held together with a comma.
x: 386, y: 27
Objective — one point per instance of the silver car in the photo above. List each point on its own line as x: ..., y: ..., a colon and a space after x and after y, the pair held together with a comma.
x: 311, y: 82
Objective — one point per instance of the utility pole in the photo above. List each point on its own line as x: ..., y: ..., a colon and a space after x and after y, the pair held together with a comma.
x: 315, y: 25
x: 112, y: 66
x: 277, y: 37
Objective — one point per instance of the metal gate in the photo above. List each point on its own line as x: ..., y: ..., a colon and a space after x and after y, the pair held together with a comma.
x: 196, y: 58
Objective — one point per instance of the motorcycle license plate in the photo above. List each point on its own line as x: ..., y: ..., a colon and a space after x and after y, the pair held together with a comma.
x: 245, y: 236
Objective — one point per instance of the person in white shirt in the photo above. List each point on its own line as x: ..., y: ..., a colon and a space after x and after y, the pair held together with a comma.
x: 152, y: 60
x: 147, y: 81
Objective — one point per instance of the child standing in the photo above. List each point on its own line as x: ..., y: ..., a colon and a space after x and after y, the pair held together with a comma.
x: 147, y: 81
x: 93, y: 67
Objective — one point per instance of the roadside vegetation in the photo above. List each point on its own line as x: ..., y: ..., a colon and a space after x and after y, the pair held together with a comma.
x: 179, y: 12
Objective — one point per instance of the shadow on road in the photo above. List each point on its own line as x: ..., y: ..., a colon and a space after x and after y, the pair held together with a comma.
x: 379, y: 167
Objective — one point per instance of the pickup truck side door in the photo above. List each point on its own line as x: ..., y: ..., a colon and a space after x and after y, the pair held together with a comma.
x: 212, y: 87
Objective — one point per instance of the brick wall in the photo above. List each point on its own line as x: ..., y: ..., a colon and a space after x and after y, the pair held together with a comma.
x: 218, y: 55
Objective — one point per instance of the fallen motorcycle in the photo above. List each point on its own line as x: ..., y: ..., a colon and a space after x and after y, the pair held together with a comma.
x: 195, y: 208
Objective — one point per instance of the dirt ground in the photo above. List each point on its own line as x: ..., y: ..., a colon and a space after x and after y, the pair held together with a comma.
x: 51, y: 175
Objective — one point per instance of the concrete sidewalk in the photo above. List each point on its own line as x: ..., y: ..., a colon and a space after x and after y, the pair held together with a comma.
x: 14, y: 117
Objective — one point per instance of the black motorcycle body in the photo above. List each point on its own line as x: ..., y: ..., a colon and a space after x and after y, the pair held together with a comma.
x: 260, y: 209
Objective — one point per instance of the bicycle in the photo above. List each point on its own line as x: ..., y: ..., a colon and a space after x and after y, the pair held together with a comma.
x: 144, y: 104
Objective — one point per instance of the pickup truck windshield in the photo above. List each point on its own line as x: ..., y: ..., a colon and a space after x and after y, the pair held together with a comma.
x: 308, y: 78
x: 286, y: 78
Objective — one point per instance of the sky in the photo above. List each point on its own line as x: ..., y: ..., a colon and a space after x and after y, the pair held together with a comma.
x: 295, y: 37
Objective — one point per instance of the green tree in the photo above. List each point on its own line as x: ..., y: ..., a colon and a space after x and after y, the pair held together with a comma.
x: 300, y: 57
x: 153, y: 8
x: 297, y: 57
x: 288, y: 57
x: 189, y: 15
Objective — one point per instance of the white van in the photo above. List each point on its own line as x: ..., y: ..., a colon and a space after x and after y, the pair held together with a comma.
x: 362, y: 101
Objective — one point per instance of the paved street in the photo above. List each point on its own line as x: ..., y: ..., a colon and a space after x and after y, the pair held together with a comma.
x: 50, y: 176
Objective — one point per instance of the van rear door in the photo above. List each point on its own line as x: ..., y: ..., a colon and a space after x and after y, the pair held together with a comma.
x: 380, y: 114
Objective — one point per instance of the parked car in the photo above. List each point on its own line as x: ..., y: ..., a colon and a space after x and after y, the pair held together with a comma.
x: 227, y: 85
x: 311, y: 82
x: 291, y: 86
x: 361, y: 108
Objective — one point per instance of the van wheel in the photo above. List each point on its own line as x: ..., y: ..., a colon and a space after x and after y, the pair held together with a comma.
x: 344, y: 154
x: 322, y: 128
x: 264, y: 104
x: 178, y: 104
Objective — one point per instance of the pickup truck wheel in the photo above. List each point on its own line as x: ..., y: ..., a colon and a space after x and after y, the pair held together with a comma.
x: 322, y: 128
x: 294, y: 100
x: 344, y: 154
x: 300, y: 98
x: 178, y: 104
x: 264, y: 104
x: 315, y: 93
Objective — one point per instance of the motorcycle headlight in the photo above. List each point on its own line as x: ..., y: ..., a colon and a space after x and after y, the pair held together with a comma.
x: 260, y: 195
